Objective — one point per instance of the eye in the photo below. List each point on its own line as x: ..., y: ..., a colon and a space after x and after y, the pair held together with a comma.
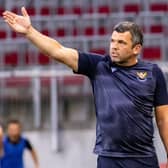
x: 122, y: 42
x: 112, y: 40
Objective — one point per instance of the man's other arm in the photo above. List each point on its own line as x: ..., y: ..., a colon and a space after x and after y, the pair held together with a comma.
x: 162, y: 122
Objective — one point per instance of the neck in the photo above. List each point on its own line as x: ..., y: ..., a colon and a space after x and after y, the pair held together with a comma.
x: 127, y: 63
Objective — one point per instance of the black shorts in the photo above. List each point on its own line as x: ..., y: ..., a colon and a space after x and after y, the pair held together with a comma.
x: 113, y: 162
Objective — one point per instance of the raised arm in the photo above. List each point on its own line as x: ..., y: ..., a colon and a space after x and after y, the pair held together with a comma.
x: 47, y: 45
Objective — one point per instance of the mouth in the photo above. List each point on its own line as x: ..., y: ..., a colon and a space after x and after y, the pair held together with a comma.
x: 114, y: 55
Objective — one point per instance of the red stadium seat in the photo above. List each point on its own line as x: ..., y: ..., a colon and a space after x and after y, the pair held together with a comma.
x: 1, y: 10
x: 11, y: 58
x: 61, y: 11
x: 73, y: 80
x: 104, y: 9
x: 31, y: 57
x: 98, y: 51
x: 72, y: 85
x: 45, y: 32
x: 31, y: 11
x: 43, y: 59
x: 102, y: 30
x: 17, y: 81
x: 152, y: 53
x: 60, y: 32
x: 89, y: 31
x: 45, y: 10
x: 3, y: 34
x: 132, y: 7
x: 77, y: 10
x: 15, y: 10
x: 158, y: 7
x: 156, y: 29
x: 16, y: 35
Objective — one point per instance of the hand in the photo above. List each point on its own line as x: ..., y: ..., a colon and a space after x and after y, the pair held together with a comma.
x: 18, y: 23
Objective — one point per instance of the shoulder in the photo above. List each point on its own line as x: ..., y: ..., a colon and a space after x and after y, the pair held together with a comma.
x: 153, y: 67
x: 25, y: 139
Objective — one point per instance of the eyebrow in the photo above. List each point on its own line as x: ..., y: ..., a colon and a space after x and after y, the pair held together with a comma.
x: 120, y: 41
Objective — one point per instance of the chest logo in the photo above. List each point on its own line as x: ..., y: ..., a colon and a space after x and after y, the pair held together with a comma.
x: 142, y: 75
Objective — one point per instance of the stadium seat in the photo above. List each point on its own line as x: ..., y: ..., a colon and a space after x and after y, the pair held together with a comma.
x: 89, y: 31
x: 30, y: 57
x: 15, y: 9
x: 159, y: 6
x: 3, y: 34
x: 72, y: 86
x: 1, y: 10
x: 152, y: 53
x: 61, y: 10
x: 17, y: 81
x: 60, y: 32
x: 73, y: 80
x: 104, y: 9
x: 77, y: 10
x: 16, y: 35
x: 11, y: 58
x: 156, y: 29
x: 98, y: 50
x: 132, y: 7
x: 31, y: 11
x: 102, y: 30
x: 45, y: 10
x: 43, y: 59
x: 45, y: 32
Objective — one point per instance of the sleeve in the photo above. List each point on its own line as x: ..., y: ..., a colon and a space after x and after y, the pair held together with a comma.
x: 161, y: 95
x: 87, y: 63
x: 28, y: 144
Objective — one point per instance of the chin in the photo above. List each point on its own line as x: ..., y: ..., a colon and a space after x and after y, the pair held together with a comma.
x: 115, y: 60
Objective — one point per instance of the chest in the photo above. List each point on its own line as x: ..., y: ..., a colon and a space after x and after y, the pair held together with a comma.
x: 135, y: 81
x: 14, y: 149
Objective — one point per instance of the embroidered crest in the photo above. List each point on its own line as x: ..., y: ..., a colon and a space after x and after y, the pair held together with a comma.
x: 142, y: 75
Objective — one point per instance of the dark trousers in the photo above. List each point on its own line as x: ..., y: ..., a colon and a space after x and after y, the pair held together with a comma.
x: 113, y: 162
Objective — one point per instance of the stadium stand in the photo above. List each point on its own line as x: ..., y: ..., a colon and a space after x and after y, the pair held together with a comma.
x: 82, y: 24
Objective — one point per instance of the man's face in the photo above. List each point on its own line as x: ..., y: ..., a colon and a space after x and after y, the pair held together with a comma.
x: 14, y: 131
x: 121, y: 50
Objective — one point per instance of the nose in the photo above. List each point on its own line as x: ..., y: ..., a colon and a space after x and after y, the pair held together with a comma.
x: 114, y: 46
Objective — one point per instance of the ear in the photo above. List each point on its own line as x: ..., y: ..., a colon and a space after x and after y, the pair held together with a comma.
x: 137, y: 49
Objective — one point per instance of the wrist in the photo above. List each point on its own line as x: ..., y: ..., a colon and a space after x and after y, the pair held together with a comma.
x: 29, y: 31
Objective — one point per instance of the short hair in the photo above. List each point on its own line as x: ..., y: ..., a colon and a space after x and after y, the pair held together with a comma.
x: 14, y: 121
x: 133, y: 28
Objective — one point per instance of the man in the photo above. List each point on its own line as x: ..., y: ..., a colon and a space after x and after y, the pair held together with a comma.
x: 14, y: 145
x: 125, y: 91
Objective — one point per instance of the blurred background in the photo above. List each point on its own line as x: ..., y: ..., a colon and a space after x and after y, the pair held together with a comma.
x: 55, y: 106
